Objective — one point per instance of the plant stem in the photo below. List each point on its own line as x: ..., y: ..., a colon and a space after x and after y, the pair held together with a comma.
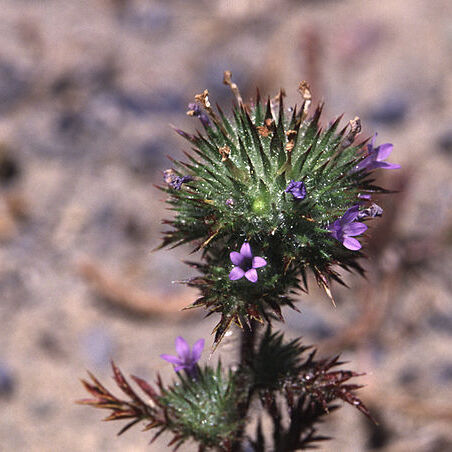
x: 247, y: 349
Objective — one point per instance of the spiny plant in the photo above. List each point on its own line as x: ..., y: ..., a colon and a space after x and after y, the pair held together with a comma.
x: 267, y: 194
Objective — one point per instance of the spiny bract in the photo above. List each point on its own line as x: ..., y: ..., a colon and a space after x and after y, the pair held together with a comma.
x: 205, y: 408
x: 275, y: 181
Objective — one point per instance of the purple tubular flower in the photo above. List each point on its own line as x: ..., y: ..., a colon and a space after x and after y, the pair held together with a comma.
x: 186, y: 358
x: 297, y: 189
x: 246, y: 264
x: 196, y: 110
x: 346, y: 227
x: 375, y: 157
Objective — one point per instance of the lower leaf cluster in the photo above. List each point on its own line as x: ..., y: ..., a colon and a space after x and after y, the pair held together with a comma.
x: 211, y: 407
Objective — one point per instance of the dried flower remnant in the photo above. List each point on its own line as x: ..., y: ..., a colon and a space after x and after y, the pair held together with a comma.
x: 375, y: 157
x: 246, y: 264
x: 297, y: 189
x: 186, y: 358
x: 227, y: 80
x: 224, y: 152
x: 355, y: 130
x: 195, y: 110
x: 371, y: 212
x: 305, y: 91
x: 267, y: 128
x: 346, y: 227
x: 175, y: 181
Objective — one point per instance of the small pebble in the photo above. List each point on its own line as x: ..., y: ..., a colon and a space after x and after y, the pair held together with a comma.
x: 441, y: 322
x: 445, y: 373
x: 310, y: 324
x: 444, y: 142
x: 9, y: 168
x: 97, y: 347
x: 142, y: 104
x: 7, y: 381
x: 408, y: 375
x: 392, y: 111
x: 149, y: 156
x: 70, y: 124
x: 13, y: 85
x: 43, y: 409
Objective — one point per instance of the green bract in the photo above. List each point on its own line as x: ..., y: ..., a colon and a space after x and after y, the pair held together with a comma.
x: 237, y: 174
x: 204, y: 409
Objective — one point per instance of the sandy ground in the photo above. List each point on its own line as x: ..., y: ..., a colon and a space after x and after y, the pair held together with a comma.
x: 87, y: 92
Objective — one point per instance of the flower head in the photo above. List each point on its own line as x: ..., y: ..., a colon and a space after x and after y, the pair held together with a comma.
x: 186, y: 358
x: 346, y: 227
x: 297, y: 189
x: 246, y: 264
x: 375, y: 157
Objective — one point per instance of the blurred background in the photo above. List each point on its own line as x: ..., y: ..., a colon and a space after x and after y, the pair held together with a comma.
x: 88, y: 90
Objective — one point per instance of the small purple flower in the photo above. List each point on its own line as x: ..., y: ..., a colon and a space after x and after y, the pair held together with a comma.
x: 174, y: 181
x: 297, y: 189
x: 186, y: 358
x: 346, y: 227
x: 177, y: 183
x: 196, y: 110
x: 246, y: 264
x: 375, y: 157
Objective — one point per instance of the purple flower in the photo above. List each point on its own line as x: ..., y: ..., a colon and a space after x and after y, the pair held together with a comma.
x: 297, y: 188
x: 186, y: 358
x: 346, y: 227
x: 174, y: 181
x: 375, y: 157
x: 246, y: 264
x: 196, y: 110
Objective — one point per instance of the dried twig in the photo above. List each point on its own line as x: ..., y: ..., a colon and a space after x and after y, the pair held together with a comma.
x: 126, y: 296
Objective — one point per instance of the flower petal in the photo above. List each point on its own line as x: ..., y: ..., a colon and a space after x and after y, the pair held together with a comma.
x: 182, y: 348
x: 387, y: 165
x: 180, y: 367
x: 171, y: 359
x: 236, y: 258
x: 258, y: 262
x: 236, y: 273
x: 245, y: 250
x: 371, y: 145
x: 197, y: 349
x: 353, y: 229
x: 290, y: 186
x: 351, y: 244
x: 350, y: 215
x: 251, y: 275
x: 384, y: 151
x: 364, y: 196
